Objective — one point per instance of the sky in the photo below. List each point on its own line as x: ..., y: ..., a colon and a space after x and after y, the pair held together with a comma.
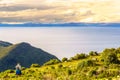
x: 59, y: 11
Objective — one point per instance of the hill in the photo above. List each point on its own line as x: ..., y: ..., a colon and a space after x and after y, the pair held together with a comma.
x: 23, y: 53
x: 92, y: 66
x: 5, y: 44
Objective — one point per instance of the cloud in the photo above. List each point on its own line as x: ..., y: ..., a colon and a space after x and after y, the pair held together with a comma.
x: 59, y: 11
x: 24, y: 7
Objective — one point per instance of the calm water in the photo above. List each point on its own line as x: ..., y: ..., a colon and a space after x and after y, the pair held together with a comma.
x: 64, y: 42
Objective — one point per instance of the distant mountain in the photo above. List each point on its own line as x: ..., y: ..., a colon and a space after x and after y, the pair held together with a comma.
x: 62, y: 25
x: 5, y: 44
x: 22, y: 53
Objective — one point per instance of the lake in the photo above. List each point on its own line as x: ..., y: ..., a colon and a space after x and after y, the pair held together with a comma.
x: 64, y: 41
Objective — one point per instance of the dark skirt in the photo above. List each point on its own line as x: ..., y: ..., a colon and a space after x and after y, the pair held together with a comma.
x: 18, y: 72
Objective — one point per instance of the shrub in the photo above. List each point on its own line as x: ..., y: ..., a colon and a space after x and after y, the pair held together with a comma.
x: 109, y: 56
x: 52, y: 61
x: 31, y: 71
x: 93, y: 53
x: 69, y: 72
x: 72, y: 58
x: 64, y: 59
x: 35, y: 65
x: 102, y: 75
x: 78, y: 56
x: 9, y: 71
x: 52, y: 67
x: 86, y: 64
x: 92, y: 72
x: 109, y: 78
x: 60, y: 66
x: 23, y: 68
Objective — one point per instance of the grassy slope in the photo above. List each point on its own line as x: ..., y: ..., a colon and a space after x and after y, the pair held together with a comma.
x: 5, y: 50
x: 68, y: 71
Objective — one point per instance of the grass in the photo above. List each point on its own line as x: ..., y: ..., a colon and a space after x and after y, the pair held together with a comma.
x: 88, y: 68
x: 68, y: 71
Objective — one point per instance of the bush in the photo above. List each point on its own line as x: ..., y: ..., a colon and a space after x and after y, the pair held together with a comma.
x: 9, y: 71
x: 114, y: 66
x: 109, y: 78
x: 86, y: 64
x: 92, y: 72
x: 109, y: 56
x: 52, y: 67
x: 78, y: 56
x: 102, y: 75
x: 52, y: 61
x: 69, y: 72
x: 31, y: 71
x: 64, y: 59
x: 60, y: 66
x: 93, y: 53
x: 35, y: 65
x: 72, y: 58
x: 23, y: 68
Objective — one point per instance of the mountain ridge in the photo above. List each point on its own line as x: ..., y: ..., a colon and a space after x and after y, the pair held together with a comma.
x: 22, y: 53
x: 5, y: 44
x: 62, y: 24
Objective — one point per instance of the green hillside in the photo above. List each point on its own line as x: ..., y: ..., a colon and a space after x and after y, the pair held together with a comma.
x: 22, y: 53
x: 94, y: 66
x: 5, y: 44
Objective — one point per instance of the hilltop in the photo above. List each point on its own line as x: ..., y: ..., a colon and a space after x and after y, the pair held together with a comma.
x: 23, y: 53
x: 92, y: 66
x: 5, y: 44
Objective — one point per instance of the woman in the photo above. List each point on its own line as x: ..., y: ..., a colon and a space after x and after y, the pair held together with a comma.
x: 18, y: 69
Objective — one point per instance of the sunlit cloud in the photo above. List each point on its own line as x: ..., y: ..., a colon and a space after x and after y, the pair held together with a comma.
x: 59, y: 11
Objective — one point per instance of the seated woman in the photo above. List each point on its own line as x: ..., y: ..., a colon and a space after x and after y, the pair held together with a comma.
x: 18, y: 69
